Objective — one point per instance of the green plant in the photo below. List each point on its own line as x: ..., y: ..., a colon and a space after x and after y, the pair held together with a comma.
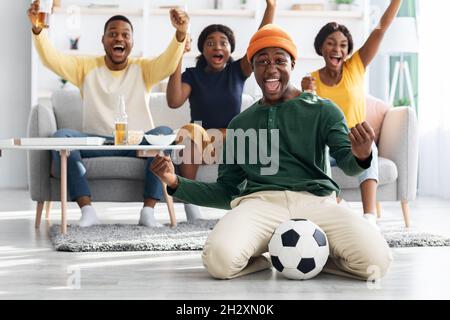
x: 63, y: 82
x: 344, y: 1
x: 402, y: 103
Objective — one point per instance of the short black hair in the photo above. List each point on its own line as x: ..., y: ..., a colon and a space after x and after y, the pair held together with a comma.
x: 328, y: 29
x: 118, y: 18
x: 205, y: 34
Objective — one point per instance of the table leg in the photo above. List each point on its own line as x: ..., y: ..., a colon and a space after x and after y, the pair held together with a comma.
x: 64, y: 154
x: 170, y: 207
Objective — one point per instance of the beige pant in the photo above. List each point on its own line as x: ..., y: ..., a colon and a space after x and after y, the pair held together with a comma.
x: 238, y: 244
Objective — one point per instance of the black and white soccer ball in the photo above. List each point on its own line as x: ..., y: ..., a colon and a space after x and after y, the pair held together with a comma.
x: 299, y: 249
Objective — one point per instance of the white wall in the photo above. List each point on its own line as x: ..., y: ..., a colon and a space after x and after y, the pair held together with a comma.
x: 434, y: 111
x: 379, y: 68
x: 15, y: 89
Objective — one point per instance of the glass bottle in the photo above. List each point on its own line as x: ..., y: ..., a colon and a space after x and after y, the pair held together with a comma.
x: 121, y: 123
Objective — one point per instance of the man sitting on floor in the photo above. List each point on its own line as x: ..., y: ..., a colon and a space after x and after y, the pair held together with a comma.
x: 294, y: 185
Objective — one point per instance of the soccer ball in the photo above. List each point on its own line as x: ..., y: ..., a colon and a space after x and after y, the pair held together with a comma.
x: 299, y: 249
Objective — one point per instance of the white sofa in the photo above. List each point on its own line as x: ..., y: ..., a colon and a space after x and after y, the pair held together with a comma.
x: 122, y: 181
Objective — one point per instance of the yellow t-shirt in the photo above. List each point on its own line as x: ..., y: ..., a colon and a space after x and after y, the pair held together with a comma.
x: 349, y: 94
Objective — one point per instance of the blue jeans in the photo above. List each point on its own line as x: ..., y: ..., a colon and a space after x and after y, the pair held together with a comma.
x: 369, y: 174
x: 76, y: 172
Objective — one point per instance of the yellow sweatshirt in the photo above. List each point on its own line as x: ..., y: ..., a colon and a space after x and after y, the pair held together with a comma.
x: 100, y: 87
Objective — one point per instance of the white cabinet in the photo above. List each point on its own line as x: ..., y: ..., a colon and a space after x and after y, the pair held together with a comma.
x: 153, y: 30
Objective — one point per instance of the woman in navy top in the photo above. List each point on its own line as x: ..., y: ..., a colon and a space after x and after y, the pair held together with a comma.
x: 214, y: 86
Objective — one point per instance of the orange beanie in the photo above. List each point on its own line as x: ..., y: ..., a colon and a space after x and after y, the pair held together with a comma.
x: 270, y: 36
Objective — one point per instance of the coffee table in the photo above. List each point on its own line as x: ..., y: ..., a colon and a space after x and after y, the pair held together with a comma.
x: 143, y: 151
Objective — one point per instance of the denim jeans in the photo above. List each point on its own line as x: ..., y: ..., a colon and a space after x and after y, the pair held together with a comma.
x: 76, y: 172
x: 369, y: 174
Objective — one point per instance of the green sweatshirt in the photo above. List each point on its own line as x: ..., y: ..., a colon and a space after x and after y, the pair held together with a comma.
x: 306, y: 125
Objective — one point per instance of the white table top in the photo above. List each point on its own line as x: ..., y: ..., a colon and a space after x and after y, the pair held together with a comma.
x: 103, y: 147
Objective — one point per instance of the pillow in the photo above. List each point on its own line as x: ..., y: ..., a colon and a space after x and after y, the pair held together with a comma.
x: 375, y: 112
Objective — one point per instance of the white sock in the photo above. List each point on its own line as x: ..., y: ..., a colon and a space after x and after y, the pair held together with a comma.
x: 88, y: 217
x: 372, y: 219
x: 147, y: 218
x: 192, y: 212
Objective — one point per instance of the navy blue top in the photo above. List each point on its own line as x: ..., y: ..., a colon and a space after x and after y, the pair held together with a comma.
x: 216, y: 97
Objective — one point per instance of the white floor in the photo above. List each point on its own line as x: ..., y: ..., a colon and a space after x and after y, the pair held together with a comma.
x: 31, y: 269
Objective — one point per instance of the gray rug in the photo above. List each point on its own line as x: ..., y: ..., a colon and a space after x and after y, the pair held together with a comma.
x: 192, y: 236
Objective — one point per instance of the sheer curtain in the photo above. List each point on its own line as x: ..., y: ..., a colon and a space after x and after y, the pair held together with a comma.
x: 434, y: 97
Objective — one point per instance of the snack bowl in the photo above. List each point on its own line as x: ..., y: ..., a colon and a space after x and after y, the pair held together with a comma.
x: 160, y: 140
x: 135, y: 137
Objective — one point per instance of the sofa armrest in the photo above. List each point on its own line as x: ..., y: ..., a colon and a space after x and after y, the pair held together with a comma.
x: 41, y: 123
x: 399, y: 142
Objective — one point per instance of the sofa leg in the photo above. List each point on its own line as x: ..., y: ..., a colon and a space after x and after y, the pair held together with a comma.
x: 378, y: 209
x: 48, y: 208
x: 405, y: 209
x: 39, y: 208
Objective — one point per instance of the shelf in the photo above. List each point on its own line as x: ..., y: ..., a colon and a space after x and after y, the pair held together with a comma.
x: 215, y: 13
x: 211, y: 12
x: 140, y: 12
x: 101, y: 11
x: 321, y: 14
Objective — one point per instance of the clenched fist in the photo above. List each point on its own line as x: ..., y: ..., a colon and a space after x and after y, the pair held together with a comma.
x: 163, y: 168
x: 33, y: 16
x: 309, y: 84
x: 180, y: 21
x: 362, y: 137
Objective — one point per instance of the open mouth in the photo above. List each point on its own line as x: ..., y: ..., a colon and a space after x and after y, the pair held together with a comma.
x: 335, y: 60
x: 119, y: 49
x: 272, y: 85
x: 217, y: 58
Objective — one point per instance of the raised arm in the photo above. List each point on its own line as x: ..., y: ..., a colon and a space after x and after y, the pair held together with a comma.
x: 157, y: 69
x: 268, y: 17
x: 70, y: 68
x: 177, y: 91
x: 369, y: 50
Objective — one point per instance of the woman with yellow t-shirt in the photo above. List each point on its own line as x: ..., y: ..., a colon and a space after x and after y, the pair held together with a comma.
x: 342, y: 81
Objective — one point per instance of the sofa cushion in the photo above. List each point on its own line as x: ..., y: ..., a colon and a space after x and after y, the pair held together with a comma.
x: 375, y: 113
x: 165, y: 116
x: 387, y: 174
x: 115, y: 168
x: 68, y: 108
